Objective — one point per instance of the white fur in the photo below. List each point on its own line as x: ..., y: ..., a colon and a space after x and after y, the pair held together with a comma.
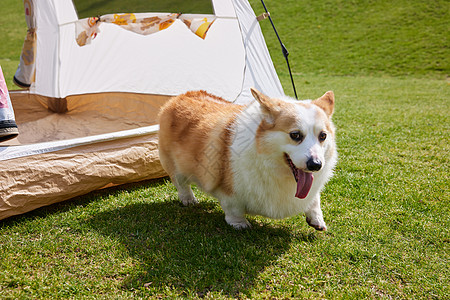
x: 264, y: 184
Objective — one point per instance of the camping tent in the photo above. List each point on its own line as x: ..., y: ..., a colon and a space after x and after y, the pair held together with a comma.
x: 88, y: 117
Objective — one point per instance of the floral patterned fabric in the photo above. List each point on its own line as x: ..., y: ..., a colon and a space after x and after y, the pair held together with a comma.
x: 25, y: 74
x: 88, y: 28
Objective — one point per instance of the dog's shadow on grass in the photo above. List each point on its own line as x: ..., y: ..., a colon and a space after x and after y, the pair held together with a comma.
x: 191, y: 249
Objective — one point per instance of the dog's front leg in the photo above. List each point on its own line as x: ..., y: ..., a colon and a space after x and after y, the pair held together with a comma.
x: 238, y: 222
x: 234, y: 213
x: 314, y: 216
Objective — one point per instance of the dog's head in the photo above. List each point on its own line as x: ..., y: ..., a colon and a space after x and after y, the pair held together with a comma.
x: 299, y: 133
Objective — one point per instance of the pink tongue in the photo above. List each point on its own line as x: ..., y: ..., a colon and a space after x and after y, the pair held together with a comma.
x: 304, y: 182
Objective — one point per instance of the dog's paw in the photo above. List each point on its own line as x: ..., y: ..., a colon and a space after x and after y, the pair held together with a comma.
x: 316, y: 223
x: 238, y: 222
x: 188, y: 200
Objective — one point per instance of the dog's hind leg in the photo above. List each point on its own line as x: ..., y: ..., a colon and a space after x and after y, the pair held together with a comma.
x: 183, y: 185
x: 314, y: 216
x: 181, y: 182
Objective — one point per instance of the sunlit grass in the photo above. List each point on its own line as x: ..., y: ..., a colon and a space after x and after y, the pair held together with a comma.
x: 387, y: 207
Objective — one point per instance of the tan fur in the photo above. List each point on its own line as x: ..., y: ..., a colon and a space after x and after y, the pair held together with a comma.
x: 195, y: 131
x: 326, y: 102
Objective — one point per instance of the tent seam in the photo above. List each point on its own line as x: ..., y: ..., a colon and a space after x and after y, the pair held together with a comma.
x: 245, y: 51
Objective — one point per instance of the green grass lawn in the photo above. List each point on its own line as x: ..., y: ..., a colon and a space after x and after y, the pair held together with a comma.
x: 387, y: 207
x: 361, y: 37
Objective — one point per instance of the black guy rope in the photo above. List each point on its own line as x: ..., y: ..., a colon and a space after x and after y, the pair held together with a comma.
x: 283, y: 48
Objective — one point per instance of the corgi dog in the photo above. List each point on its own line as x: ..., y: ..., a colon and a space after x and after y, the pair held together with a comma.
x: 271, y: 157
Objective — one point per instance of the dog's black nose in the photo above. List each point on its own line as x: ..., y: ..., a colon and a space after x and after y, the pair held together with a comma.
x: 314, y: 164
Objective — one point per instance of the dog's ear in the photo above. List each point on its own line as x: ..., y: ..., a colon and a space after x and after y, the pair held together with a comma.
x: 326, y: 102
x: 268, y: 105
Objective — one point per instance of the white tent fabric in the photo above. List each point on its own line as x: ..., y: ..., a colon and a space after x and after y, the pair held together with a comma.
x: 234, y: 46
x: 259, y: 70
x: 107, y: 94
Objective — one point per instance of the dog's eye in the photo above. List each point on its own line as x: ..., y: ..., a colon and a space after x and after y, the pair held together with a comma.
x: 322, y: 136
x: 296, y: 136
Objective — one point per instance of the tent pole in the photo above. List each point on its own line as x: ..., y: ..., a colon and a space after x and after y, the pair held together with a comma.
x: 283, y: 49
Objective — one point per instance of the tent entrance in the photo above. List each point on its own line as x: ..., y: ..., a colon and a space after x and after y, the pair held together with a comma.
x: 92, y: 8
x: 42, y: 119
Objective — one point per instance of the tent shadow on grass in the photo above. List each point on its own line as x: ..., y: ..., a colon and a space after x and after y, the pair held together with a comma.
x: 191, y: 250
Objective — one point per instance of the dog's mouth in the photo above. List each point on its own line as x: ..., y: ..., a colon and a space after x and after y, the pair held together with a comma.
x: 304, y: 179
